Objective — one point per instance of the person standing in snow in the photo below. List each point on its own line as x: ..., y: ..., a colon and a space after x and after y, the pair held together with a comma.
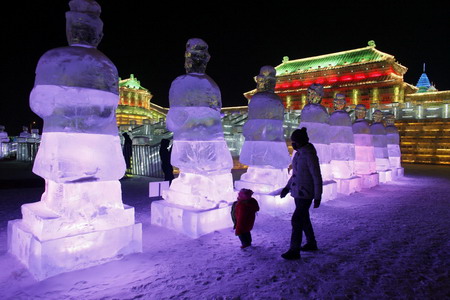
x: 243, y: 213
x: 305, y: 186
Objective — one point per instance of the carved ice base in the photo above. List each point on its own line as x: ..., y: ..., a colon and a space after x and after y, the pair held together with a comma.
x: 397, y: 173
x: 369, y: 180
x: 348, y: 186
x: 329, y: 190
x: 385, y: 176
x: 189, y: 221
x: 49, y: 257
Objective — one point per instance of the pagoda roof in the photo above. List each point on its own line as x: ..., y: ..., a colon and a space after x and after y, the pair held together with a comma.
x: 131, y: 83
x: 424, y: 83
x: 339, y: 59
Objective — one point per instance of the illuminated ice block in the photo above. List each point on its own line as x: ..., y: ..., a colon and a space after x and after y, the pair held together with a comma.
x: 264, y: 150
x: 54, y: 236
x: 80, y: 220
x: 4, y: 142
x: 205, y: 183
x: 190, y: 221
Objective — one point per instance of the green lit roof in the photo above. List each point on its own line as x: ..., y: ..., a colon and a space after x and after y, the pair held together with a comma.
x: 131, y: 83
x: 344, y: 58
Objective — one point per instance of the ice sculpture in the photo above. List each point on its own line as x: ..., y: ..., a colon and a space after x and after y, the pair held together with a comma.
x: 378, y: 132
x: 24, y: 135
x: 365, y: 166
x: 393, y: 146
x: 199, y: 151
x: 315, y: 118
x: 265, y: 150
x: 4, y: 142
x: 80, y: 220
x: 342, y: 147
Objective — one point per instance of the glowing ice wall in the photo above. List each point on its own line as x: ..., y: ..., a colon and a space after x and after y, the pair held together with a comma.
x: 80, y: 220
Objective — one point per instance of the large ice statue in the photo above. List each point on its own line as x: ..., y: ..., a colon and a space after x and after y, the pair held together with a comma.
x: 378, y: 132
x: 4, y: 142
x: 80, y: 220
x: 264, y: 151
x: 342, y: 147
x: 199, y: 151
x: 393, y: 146
x: 316, y: 119
x: 365, y: 166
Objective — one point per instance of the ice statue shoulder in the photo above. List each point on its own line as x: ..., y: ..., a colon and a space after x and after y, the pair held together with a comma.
x: 265, y: 105
x: 77, y: 66
x: 314, y: 113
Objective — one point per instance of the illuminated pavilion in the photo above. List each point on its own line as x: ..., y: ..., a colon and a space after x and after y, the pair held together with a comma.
x: 365, y: 75
x: 135, y: 106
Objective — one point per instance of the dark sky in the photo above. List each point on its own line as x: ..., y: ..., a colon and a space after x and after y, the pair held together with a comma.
x: 147, y: 38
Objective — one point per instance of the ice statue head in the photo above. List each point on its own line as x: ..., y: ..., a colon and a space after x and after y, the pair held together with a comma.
x: 2, y: 128
x: 377, y: 116
x: 299, y: 138
x: 83, y: 24
x: 360, y: 112
x: 266, y: 80
x: 315, y: 93
x: 389, y: 119
x: 196, y: 56
x: 339, y: 102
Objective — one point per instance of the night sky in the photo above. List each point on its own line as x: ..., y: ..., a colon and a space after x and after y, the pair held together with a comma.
x: 147, y: 38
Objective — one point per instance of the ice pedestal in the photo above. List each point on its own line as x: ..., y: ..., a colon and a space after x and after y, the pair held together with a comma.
x: 274, y: 205
x: 81, y: 231
x: 369, y: 180
x: 189, y: 221
x: 349, y: 186
x: 200, y: 191
x: 262, y: 180
x: 385, y: 176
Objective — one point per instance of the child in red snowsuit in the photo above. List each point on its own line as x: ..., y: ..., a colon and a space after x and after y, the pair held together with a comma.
x: 243, y: 213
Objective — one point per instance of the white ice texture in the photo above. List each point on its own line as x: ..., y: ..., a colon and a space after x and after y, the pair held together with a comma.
x: 342, y: 145
x: 378, y: 132
x: 264, y: 135
x: 393, y: 146
x: 364, y: 149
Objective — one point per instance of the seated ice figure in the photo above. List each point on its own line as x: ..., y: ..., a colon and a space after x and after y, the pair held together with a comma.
x: 364, y: 149
x: 315, y: 118
x: 199, y: 149
x: 264, y: 151
x: 80, y: 220
x: 378, y: 132
x: 393, y: 144
x: 342, y: 143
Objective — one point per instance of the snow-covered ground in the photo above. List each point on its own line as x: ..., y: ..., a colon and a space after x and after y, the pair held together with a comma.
x: 389, y: 242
